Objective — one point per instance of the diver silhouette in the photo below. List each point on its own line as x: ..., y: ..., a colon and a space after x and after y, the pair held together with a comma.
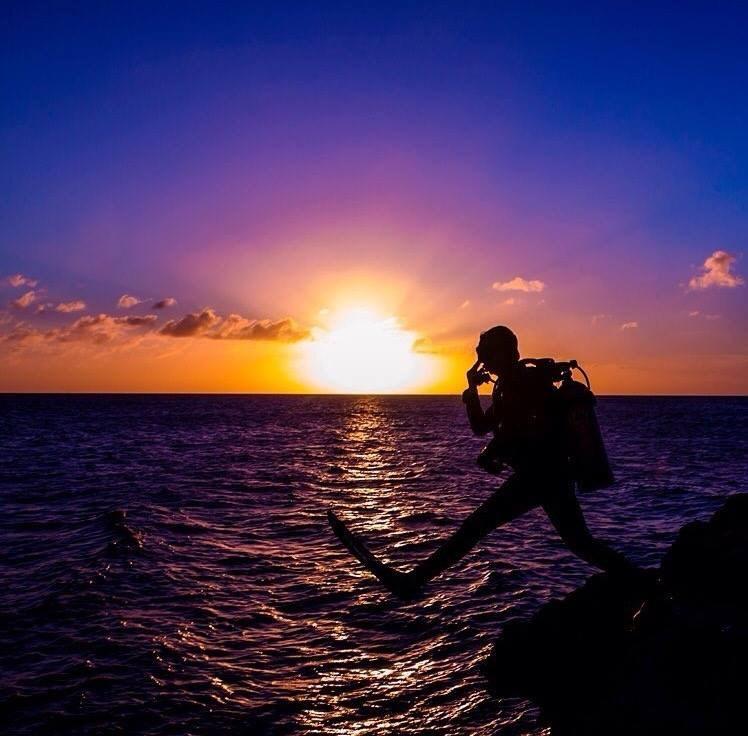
x: 529, y: 420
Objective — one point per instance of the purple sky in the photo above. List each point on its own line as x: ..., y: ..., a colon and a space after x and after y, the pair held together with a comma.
x: 256, y: 162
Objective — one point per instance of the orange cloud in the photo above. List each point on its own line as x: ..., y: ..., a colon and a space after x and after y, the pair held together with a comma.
x: 99, y: 328
x: 425, y: 345
x: 105, y: 328
x: 25, y: 300
x: 170, y: 301
x: 629, y: 325
x: 717, y: 271
x: 236, y: 327
x: 208, y: 323
x: 126, y: 301
x: 21, y: 334
x: 18, y: 279
x: 519, y: 284
x: 76, y: 305
x: 191, y: 324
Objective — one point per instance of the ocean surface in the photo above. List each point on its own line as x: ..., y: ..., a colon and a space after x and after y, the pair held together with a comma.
x: 167, y: 567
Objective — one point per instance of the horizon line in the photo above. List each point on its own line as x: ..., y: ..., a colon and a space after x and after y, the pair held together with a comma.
x: 315, y: 395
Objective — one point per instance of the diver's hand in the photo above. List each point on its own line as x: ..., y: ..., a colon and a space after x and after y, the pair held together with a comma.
x: 477, y: 375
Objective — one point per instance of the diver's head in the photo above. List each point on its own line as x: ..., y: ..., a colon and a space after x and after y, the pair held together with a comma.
x: 497, y: 349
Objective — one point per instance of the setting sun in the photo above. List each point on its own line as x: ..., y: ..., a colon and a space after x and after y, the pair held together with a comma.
x: 363, y: 352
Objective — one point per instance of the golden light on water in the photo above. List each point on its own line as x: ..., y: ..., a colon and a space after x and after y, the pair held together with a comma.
x: 360, y: 351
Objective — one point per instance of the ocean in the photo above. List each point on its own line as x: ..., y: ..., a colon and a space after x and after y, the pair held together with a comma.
x: 167, y: 567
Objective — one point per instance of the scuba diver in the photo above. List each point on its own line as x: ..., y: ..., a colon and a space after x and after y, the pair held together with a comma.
x: 547, y: 435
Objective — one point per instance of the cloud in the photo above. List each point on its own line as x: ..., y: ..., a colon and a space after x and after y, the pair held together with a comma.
x: 191, y: 324
x: 21, y: 334
x: 105, y: 328
x: 25, y: 300
x: 694, y: 313
x: 77, y: 305
x: 170, y: 301
x: 126, y: 301
x: 18, y: 279
x: 99, y: 328
x: 519, y: 284
x: 717, y: 271
x: 96, y: 329
x: 147, y: 319
x: 597, y: 317
x: 465, y: 304
x: 236, y: 327
x: 629, y: 325
x: 511, y: 300
x: 424, y: 345
x: 208, y: 323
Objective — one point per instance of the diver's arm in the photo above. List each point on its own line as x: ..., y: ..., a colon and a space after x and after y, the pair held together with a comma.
x: 480, y: 421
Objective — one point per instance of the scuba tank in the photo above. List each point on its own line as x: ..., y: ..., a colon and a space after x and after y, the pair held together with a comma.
x: 587, y: 456
x: 585, y: 449
x: 578, y: 427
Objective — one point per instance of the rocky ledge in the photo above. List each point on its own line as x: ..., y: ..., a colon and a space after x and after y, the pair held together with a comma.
x: 643, y: 657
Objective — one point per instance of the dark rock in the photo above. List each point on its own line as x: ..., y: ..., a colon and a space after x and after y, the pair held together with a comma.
x: 640, y: 657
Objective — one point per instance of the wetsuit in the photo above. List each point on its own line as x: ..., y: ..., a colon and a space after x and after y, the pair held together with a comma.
x: 526, y: 419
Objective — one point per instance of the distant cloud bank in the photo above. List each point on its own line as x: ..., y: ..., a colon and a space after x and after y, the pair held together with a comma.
x: 208, y: 323
x: 100, y: 328
x: 97, y: 329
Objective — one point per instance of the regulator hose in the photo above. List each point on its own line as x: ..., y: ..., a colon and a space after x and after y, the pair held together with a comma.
x: 576, y: 365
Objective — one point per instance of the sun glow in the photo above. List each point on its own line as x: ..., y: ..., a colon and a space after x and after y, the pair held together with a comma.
x: 362, y: 352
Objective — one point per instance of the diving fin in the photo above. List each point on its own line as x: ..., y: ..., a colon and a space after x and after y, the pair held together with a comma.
x: 399, y: 583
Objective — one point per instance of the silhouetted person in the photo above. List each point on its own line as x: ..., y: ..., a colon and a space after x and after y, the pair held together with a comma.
x: 528, y: 426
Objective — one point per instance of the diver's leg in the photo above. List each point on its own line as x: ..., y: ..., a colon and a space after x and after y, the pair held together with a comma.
x: 561, y: 504
x: 511, y: 500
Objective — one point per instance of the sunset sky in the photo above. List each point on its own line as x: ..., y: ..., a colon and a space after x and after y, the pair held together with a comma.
x: 306, y: 198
